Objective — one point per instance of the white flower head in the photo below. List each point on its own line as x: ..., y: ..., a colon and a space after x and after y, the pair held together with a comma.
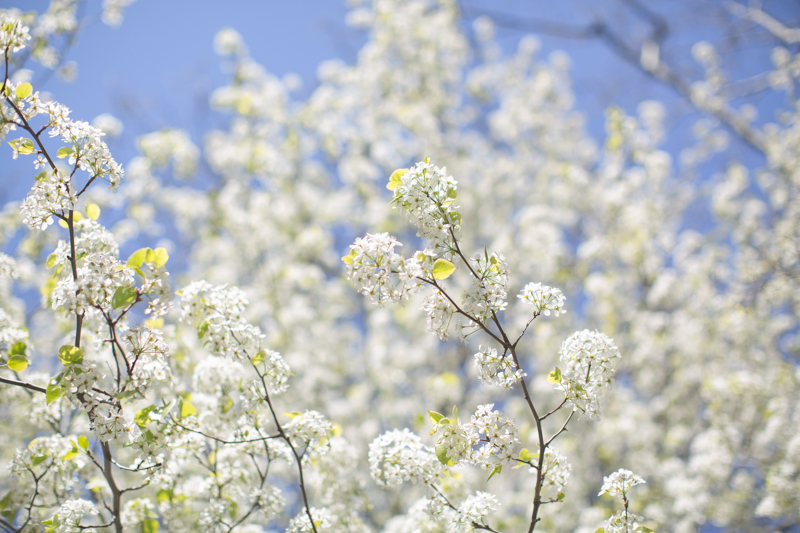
x: 620, y: 482
x: 543, y: 298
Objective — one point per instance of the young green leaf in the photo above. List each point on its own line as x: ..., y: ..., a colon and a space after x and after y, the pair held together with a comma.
x: 394, y: 179
x: 496, y: 470
x: 53, y: 393
x: 441, y: 453
x: 24, y: 90
x: 136, y: 260
x: 442, y: 269
x: 18, y: 348
x: 150, y: 526
x: 93, y: 211
x: 70, y: 355
x: 554, y: 376
x: 83, y: 442
x: 64, y: 152
x: 123, y: 297
x: 17, y: 363
x: 160, y: 257
x: 187, y: 409
x: 259, y: 357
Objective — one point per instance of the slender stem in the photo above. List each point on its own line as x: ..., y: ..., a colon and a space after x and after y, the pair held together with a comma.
x: 28, y: 386
x: 112, y: 484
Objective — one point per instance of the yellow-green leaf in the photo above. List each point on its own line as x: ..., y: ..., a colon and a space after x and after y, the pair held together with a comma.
x: 24, y: 90
x: 442, y: 269
x: 292, y: 414
x: 259, y: 357
x: 83, y: 442
x: 554, y: 376
x: 395, y: 179
x: 123, y: 297
x: 347, y: 259
x: 18, y: 348
x: 150, y: 526
x: 17, y: 363
x: 25, y: 147
x: 70, y: 355
x: 93, y: 211
x: 187, y: 409
x: 54, y: 392
x: 136, y: 260
x: 64, y: 152
x: 161, y: 257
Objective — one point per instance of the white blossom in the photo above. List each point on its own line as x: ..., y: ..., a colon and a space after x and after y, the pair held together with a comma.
x: 543, y: 298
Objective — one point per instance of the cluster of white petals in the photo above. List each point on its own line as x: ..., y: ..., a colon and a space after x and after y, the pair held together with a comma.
x: 427, y: 194
x: 378, y: 272
x: 476, y: 508
x: 486, y: 295
x: 589, y: 357
x: 497, y: 370
x: 398, y: 456
x: 14, y: 35
x: 543, y: 298
x: 620, y: 482
x: 69, y: 515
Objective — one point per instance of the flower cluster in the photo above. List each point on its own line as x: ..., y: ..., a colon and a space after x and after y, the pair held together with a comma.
x: 427, y: 194
x: 620, y: 482
x: 217, y: 313
x: 497, y: 370
x: 379, y: 273
x: 487, y: 293
x: 476, y: 509
x: 556, y: 471
x: 497, y: 432
x: 398, y: 456
x: 624, y: 522
x: 589, y: 357
x: 14, y: 35
x: 148, y: 352
x: 438, y: 313
x: 323, y: 520
x: 488, y: 438
x: 309, y: 429
x: 68, y: 517
x: 543, y: 298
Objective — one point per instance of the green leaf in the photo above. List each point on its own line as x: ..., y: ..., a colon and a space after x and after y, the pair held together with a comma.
x: 525, y: 455
x: 560, y: 497
x: 226, y: 404
x: 18, y: 348
x: 93, y: 211
x: 394, y: 179
x: 136, y: 260
x: 54, y: 392
x: 70, y: 355
x: 600, y: 530
x: 347, y: 259
x: 646, y: 529
x: 202, y: 330
x: 163, y: 495
x: 160, y: 257
x: 24, y: 90
x: 150, y: 526
x: 51, y: 260
x: 83, y: 442
x: 187, y: 409
x: 64, y: 152
x: 496, y: 470
x: 36, y: 460
x: 435, y: 417
x: 442, y: 269
x: 72, y: 454
x: 25, y: 147
x: 123, y: 297
x: 5, y: 501
x: 259, y: 357
x: 17, y: 363
x: 292, y: 414
x: 441, y: 453
x: 142, y: 417
x: 554, y: 376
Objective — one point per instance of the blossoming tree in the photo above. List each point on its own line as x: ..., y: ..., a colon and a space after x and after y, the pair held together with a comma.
x: 260, y: 392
